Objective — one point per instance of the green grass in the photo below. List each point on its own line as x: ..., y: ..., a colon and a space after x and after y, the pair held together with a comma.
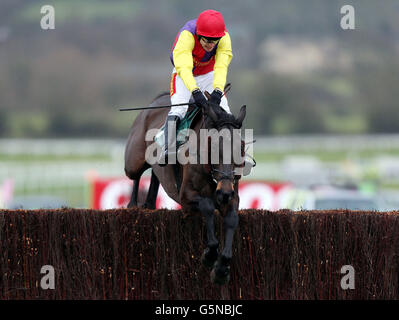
x: 347, y: 124
x: 28, y: 123
x: 335, y: 85
x: 78, y: 194
x: 260, y: 156
x: 75, y: 196
x: 325, y: 156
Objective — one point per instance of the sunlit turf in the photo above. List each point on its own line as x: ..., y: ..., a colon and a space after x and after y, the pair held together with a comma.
x: 76, y: 196
x: 260, y: 156
x: 325, y: 156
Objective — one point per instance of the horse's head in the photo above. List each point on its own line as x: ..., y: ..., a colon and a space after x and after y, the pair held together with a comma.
x: 225, y: 150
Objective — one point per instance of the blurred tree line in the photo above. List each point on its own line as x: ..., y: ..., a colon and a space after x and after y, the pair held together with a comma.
x: 106, y: 54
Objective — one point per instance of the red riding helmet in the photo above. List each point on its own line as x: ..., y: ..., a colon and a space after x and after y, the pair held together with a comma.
x: 210, y: 23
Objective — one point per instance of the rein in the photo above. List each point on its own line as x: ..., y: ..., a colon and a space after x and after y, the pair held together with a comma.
x: 221, y: 124
x: 209, y: 167
x: 225, y: 176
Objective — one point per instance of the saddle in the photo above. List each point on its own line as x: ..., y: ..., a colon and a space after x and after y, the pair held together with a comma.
x: 185, y: 124
x: 182, y: 132
x: 182, y: 136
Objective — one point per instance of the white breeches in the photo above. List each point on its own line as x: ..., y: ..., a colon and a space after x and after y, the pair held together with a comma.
x: 180, y: 93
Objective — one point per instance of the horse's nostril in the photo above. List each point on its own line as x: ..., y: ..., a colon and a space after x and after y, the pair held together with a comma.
x: 227, y: 196
x: 224, y: 196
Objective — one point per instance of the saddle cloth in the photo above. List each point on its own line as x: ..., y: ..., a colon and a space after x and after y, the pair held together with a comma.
x: 182, y: 129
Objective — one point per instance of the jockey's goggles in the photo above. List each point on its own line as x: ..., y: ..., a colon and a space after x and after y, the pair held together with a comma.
x: 210, y: 40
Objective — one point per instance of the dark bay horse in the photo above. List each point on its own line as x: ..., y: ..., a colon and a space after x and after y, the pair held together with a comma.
x: 198, y: 188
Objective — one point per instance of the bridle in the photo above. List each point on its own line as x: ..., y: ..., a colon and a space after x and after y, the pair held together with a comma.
x: 222, y: 123
x: 224, y: 175
x: 230, y: 176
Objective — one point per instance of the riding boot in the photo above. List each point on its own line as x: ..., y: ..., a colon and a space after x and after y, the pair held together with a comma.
x: 170, y: 139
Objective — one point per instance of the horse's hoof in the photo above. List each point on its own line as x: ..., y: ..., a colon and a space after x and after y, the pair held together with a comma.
x: 221, y: 271
x: 220, y: 279
x: 208, y: 259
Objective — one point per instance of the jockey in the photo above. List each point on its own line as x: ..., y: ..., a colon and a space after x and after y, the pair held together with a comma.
x: 201, y: 55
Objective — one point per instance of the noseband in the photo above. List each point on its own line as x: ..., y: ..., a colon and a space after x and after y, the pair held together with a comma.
x: 224, y: 175
x: 212, y: 171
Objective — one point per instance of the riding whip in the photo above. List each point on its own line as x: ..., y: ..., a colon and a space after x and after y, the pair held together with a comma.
x: 227, y: 88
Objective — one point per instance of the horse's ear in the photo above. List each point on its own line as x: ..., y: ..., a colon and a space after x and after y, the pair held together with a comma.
x: 241, y: 115
x: 209, y: 110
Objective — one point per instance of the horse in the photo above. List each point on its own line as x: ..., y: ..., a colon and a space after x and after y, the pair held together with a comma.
x: 199, y: 188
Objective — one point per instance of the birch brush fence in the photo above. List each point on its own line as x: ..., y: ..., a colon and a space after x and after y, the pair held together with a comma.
x: 141, y: 254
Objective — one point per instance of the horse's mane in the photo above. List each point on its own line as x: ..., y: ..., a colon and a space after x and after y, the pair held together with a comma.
x: 223, y: 117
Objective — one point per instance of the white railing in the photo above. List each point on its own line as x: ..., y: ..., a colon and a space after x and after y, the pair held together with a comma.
x: 327, y: 142
x: 116, y: 147
x: 71, y: 177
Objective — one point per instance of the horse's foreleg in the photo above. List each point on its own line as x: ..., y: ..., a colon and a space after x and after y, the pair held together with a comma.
x: 150, y: 202
x: 135, y: 191
x: 207, y: 208
x: 221, y: 271
x: 230, y: 225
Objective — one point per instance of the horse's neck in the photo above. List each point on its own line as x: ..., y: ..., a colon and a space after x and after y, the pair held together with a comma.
x: 200, y: 124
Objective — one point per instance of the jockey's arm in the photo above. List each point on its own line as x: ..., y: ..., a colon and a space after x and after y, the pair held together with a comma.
x: 223, y: 57
x: 183, y: 59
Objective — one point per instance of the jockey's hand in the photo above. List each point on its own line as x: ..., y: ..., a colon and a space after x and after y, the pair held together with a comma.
x: 199, y: 98
x: 216, y: 96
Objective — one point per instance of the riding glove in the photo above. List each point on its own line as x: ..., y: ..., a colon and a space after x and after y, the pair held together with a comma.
x: 216, y: 96
x: 199, y: 98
